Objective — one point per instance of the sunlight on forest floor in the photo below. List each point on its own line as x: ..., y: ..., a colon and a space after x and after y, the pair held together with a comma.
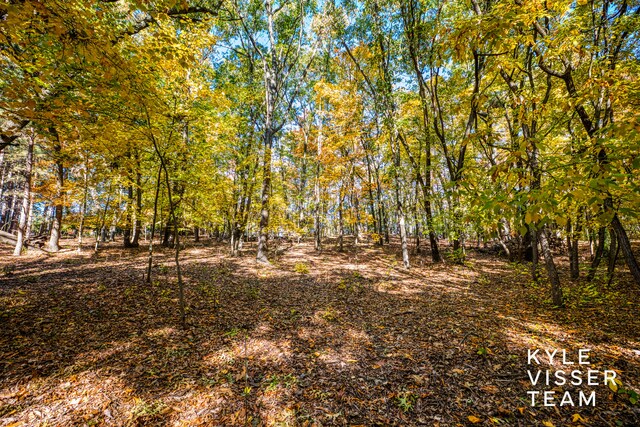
x: 318, y: 338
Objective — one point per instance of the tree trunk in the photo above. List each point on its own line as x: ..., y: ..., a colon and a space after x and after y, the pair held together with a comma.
x: 403, y: 238
x: 54, y: 239
x: 372, y: 209
x: 166, y: 239
x: 83, y: 211
x: 625, y: 245
x: 356, y: 226
x: 317, y: 193
x: 534, y: 257
x: 502, y: 237
x: 25, y: 211
x: 417, y: 231
x: 28, y: 233
x: 552, y: 273
x: 574, y: 260
x: 153, y: 223
x: 126, y: 235
x: 103, y: 229
x: 340, y: 222
x: 137, y: 213
x: 266, y: 190
x: 613, y: 252
x: 400, y: 209
x: 598, y: 255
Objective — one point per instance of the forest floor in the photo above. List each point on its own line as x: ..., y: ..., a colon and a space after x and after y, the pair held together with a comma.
x: 330, y: 338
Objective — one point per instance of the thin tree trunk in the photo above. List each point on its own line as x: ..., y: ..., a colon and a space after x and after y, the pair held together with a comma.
x: 137, y: 213
x: 103, y: 230
x: 54, y: 239
x: 174, y: 217
x: 534, y: 257
x: 25, y: 211
x: 317, y: 227
x: 372, y: 209
x: 574, y: 260
x: 153, y: 223
x: 502, y: 237
x: 400, y: 210
x: 598, y: 255
x: 83, y: 212
x: 552, y: 273
x: 356, y: 226
x: 403, y: 238
x: 266, y: 190
x: 27, y: 232
x: 613, y: 252
x: 126, y: 235
x: 417, y: 223
x: 172, y: 214
x: 340, y: 222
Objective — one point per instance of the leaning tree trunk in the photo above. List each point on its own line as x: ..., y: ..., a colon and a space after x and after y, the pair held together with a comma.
x: 25, y: 211
x: 625, y: 245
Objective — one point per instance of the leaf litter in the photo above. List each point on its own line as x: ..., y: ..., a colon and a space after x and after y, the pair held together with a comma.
x: 352, y: 340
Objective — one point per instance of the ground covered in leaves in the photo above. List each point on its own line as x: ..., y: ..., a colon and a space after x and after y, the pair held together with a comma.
x: 317, y: 339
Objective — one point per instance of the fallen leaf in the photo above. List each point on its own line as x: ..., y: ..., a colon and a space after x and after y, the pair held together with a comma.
x: 491, y: 389
x: 576, y: 417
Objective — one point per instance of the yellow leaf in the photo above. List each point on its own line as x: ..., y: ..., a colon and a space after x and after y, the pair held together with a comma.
x: 474, y: 419
x: 613, y: 386
x: 547, y: 424
x: 576, y: 417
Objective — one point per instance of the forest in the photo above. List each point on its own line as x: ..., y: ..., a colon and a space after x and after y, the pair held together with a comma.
x: 318, y: 213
